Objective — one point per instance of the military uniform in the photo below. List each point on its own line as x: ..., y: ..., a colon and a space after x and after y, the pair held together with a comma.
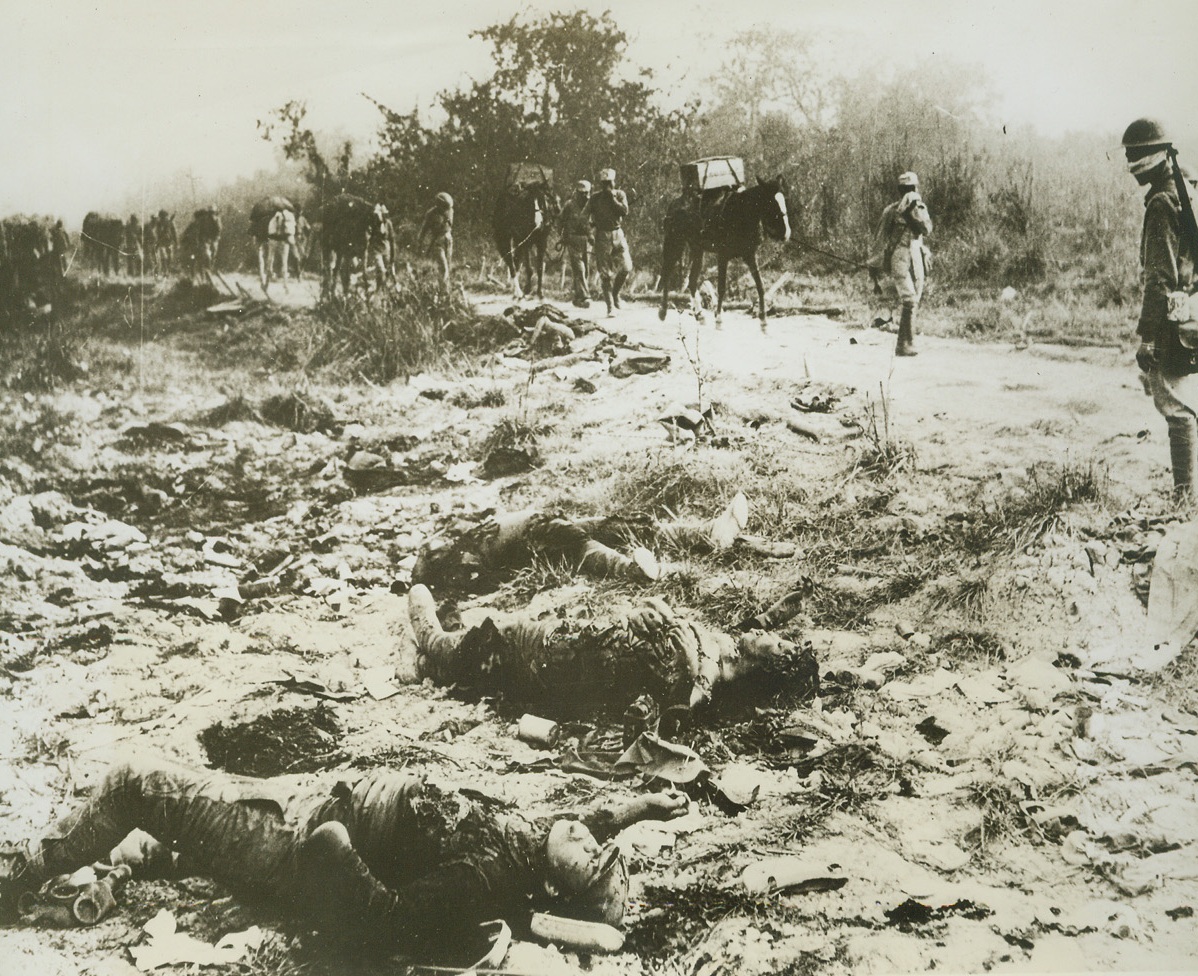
x: 577, y: 240
x: 388, y: 859
x: 608, y: 207
x: 437, y: 229
x: 1167, y: 261
x: 901, y: 258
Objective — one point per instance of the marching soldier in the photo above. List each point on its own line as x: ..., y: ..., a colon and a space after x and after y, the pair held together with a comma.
x: 437, y: 229
x: 576, y: 241
x: 900, y: 256
x: 608, y: 207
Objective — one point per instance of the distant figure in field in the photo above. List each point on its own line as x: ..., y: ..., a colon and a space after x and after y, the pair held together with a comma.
x: 102, y: 237
x: 577, y: 241
x: 303, y: 241
x: 437, y: 229
x: 201, y: 242
x: 272, y: 225
x: 381, y: 248
x: 166, y: 238
x: 1168, y: 352
x: 62, y: 245
x: 132, y: 246
x: 608, y: 207
x: 901, y: 257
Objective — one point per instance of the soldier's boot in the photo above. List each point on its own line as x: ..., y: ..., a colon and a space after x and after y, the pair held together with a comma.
x: 905, y: 346
x: 431, y: 640
x: 607, y: 295
x: 600, y: 560
x: 716, y: 533
x: 1183, y: 453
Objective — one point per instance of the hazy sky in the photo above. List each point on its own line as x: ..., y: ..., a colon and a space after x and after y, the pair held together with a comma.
x: 103, y: 97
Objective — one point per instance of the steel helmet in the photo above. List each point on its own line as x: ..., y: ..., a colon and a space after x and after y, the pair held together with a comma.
x: 583, y: 186
x: 1145, y: 132
x: 445, y: 198
x: 607, y: 176
x: 909, y: 179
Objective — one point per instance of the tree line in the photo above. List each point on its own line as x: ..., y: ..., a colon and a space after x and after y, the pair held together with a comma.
x: 1010, y: 207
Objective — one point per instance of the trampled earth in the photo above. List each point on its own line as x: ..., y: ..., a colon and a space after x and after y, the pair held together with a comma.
x: 997, y: 775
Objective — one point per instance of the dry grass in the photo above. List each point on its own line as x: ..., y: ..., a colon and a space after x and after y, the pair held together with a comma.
x: 1025, y: 513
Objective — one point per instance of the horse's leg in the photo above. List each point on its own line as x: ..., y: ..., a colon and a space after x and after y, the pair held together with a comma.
x: 751, y: 261
x: 263, y: 269
x: 670, y: 255
x: 539, y: 247
x: 512, y: 258
x: 692, y: 282
x: 722, y: 262
x: 286, y: 266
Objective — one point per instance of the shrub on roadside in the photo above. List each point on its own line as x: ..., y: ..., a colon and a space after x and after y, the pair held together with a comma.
x: 389, y: 335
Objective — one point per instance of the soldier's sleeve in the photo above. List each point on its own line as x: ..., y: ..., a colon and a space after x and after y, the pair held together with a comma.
x: 620, y: 199
x: 1161, y: 227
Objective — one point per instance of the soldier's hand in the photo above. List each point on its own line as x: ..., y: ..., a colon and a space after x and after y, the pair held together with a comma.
x: 666, y: 805
x: 1146, y: 356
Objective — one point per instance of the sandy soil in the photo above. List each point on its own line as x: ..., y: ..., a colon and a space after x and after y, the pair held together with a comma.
x: 1048, y: 825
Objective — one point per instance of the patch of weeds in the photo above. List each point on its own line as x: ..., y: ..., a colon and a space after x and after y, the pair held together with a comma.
x: 31, y: 432
x: 509, y: 448
x: 665, y: 487
x: 189, y: 648
x: 46, y: 355
x: 274, y: 957
x: 392, y: 335
x: 400, y: 756
x: 237, y: 407
x: 851, y: 776
x: 296, y: 411
x: 287, y: 740
x: 1001, y: 804
x: 847, y: 610
x: 539, y: 575
x: 1026, y: 513
x: 1177, y: 682
x: 972, y: 646
x: 676, y: 919
x: 468, y: 400
x: 885, y: 453
x: 966, y: 594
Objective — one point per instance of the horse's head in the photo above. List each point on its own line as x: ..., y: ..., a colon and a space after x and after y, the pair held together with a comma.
x: 775, y: 216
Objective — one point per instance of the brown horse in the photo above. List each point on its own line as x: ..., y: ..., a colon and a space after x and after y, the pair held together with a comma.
x: 733, y: 226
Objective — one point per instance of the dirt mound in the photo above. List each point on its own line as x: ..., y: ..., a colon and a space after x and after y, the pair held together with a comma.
x: 299, y: 412
x: 287, y: 740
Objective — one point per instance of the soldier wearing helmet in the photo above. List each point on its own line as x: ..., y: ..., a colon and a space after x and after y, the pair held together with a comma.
x: 1167, y: 258
x: 608, y: 207
x: 577, y: 235
x: 437, y: 229
x: 900, y: 256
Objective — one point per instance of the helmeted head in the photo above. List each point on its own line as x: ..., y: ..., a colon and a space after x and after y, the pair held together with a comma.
x: 444, y: 201
x: 607, y: 177
x: 1145, y: 144
x: 907, y: 182
x: 589, y: 881
x: 583, y: 187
